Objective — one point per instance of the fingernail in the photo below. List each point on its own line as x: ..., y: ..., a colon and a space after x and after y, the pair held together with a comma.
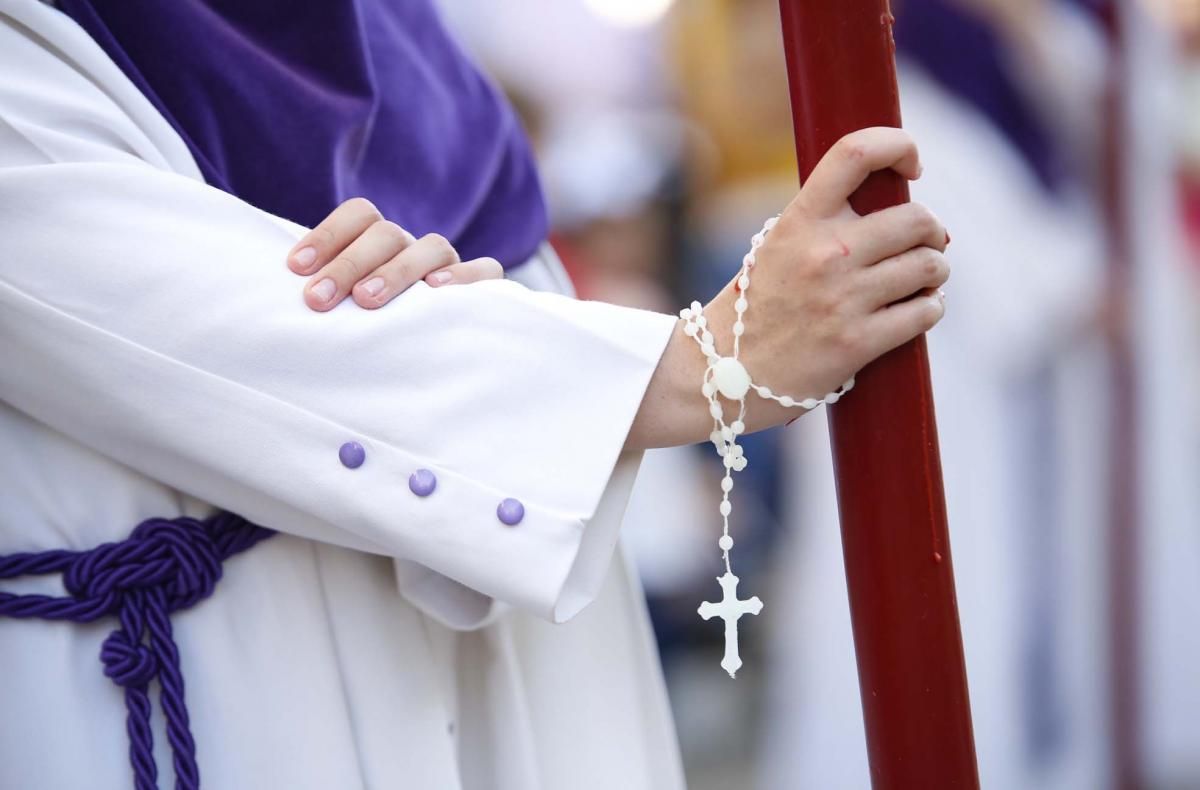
x: 324, y: 290
x: 941, y: 295
x: 947, y: 237
x: 440, y: 278
x: 304, y: 257
x: 373, y: 286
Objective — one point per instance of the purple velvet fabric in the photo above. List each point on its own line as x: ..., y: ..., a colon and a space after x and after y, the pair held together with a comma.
x: 295, y: 107
x: 968, y: 58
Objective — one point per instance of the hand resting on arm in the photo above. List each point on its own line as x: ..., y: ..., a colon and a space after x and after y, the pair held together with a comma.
x: 833, y: 290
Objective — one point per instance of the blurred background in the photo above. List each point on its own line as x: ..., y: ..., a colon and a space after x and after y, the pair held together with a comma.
x: 1063, y: 152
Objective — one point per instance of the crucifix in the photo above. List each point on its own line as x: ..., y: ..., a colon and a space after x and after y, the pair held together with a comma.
x: 730, y: 609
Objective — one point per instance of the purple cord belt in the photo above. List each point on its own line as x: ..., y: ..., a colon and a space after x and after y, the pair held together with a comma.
x: 164, y: 566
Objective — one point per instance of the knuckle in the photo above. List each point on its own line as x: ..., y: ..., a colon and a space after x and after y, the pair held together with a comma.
x: 931, y: 314
x: 941, y: 269
x: 850, y: 341
x: 931, y: 264
x: 851, y: 148
x: 323, y: 237
x: 442, y: 246
x: 824, y: 257
x: 344, y: 270
x: 389, y: 230
x: 361, y: 206
x: 492, y: 270
x: 924, y: 220
x: 403, y: 274
x: 825, y: 305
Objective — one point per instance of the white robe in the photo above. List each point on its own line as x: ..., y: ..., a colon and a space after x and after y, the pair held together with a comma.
x: 156, y: 359
x: 1165, y: 316
x: 1025, y: 273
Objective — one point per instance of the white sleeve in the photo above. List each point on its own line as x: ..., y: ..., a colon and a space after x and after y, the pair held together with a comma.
x: 152, y: 318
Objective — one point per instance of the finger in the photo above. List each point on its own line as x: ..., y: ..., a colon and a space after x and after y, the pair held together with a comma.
x: 899, y: 277
x: 334, y: 233
x: 892, y: 231
x: 426, y: 254
x: 899, y: 323
x: 377, y: 245
x: 851, y: 159
x: 471, y: 271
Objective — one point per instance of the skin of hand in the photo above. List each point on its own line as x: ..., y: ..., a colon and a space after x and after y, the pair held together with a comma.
x: 830, y: 292
x: 356, y: 252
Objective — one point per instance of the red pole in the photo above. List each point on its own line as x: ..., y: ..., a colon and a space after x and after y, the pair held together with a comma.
x: 912, y: 676
x: 1123, y: 546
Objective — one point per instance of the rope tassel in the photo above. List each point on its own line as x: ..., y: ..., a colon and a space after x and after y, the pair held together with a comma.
x: 165, y: 565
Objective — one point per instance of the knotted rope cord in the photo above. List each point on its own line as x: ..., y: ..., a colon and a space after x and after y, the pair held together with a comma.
x: 164, y: 566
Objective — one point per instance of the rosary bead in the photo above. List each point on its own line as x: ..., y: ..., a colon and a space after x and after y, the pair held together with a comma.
x: 744, y: 282
x: 787, y: 400
x: 689, y: 329
x: 701, y: 321
x: 715, y: 410
x: 730, y: 461
x: 726, y: 508
x: 726, y: 543
x: 833, y: 398
x: 696, y: 307
x: 810, y: 403
x: 770, y: 223
x: 738, y: 427
x: 741, y: 304
x: 739, y: 329
x: 715, y: 438
x: 707, y: 389
x: 765, y: 392
x: 727, y: 484
x: 685, y: 314
x: 731, y: 378
x: 739, y: 464
x: 707, y: 349
x: 727, y: 434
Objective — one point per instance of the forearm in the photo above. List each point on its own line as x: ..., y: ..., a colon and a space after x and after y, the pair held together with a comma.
x: 672, y: 411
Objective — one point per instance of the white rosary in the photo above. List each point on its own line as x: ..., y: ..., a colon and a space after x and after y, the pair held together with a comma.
x: 728, y: 377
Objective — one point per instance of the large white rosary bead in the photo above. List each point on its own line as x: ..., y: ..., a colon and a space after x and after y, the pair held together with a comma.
x: 731, y: 378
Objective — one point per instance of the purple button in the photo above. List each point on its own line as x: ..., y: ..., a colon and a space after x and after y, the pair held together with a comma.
x: 422, y: 482
x: 352, y: 455
x: 511, y: 511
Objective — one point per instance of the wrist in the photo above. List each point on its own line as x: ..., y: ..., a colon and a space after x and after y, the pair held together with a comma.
x: 672, y: 413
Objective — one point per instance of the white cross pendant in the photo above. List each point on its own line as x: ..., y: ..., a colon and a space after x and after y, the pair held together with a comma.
x: 730, y: 609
